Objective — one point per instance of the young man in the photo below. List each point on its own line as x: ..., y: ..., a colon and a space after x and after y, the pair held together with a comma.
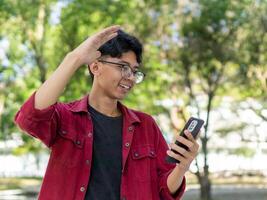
x: 101, y: 149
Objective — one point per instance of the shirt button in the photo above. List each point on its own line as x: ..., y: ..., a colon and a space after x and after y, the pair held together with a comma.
x: 78, y: 142
x: 130, y: 128
x: 152, y: 153
x: 64, y: 132
x: 89, y: 134
x: 127, y: 144
x: 82, y: 189
x: 123, y: 198
x: 87, y: 162
x: 136, y: 154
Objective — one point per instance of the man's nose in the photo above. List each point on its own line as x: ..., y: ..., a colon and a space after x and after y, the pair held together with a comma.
x: 131, y: 77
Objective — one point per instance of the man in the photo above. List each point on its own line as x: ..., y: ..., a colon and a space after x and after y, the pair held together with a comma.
x: 100, y: 149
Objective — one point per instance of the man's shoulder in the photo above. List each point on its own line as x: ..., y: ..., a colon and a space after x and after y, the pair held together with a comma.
x: 146, y: 120
x: 143, y: 116
x: 68, y: 104
x: 76, y: 104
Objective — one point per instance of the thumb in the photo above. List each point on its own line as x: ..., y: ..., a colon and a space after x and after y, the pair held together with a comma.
x: 93, y: 57
x: 97, y: 54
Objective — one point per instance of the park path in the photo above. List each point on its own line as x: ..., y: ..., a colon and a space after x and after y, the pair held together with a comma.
x: 222, y: 192
x: 230, y: 192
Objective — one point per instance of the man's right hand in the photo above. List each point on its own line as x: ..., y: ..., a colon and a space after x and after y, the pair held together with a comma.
x: 87, y: 51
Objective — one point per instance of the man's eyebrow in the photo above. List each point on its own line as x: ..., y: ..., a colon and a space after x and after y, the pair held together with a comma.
x: 125, y: 62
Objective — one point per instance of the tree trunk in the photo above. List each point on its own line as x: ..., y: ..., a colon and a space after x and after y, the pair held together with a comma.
x: 205, y: 186
x: 205, y: 183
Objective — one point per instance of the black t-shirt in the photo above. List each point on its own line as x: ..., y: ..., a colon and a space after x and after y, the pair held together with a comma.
x: 105, y: 178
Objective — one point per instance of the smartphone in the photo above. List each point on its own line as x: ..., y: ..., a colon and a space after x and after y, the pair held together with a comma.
x: 193, y: 125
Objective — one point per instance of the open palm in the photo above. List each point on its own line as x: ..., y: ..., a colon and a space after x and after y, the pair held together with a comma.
x: 87, y: 51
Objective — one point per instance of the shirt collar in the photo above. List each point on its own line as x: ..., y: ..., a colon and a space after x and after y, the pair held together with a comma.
x: 82, y: 106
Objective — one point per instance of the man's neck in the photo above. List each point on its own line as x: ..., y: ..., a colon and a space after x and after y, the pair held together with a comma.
x: 103, y: 104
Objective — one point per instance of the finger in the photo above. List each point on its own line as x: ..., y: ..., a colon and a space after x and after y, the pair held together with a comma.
x: 104, y: 35
x: 109, y: 37
x: 189, y: 136
x: 108, y: 31
x: 176, y: 156
x: 193, y: 140
x: 103, y: 38
x: 97, y: 54
x: 179, y: 149
x: 94, y: 55
x: 185, y: 141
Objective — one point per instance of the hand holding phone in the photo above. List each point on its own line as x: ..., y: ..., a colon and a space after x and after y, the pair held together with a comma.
x: 193, y: 125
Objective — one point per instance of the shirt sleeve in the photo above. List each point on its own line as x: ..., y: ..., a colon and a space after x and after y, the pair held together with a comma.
x: 41, y: 124
x: 164, y: 169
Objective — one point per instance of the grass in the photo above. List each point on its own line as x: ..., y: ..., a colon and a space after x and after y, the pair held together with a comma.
x: 250, y: 187
x: 19, y: 183
x: 22, y: 182
x: 232, y: 180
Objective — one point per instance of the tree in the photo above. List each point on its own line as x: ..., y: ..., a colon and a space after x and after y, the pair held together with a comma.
x: 25, y: 28
x: 192, y: 51
x: 252, y: 58
x: 200, y: 56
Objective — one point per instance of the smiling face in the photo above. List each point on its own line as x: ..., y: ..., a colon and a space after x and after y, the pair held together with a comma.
x: 108, y: 78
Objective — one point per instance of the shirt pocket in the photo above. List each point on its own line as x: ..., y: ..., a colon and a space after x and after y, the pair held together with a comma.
x: 144, y: 163
x: 70, y: 146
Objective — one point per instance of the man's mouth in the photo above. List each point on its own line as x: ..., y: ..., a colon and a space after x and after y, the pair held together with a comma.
x: 127, y: 87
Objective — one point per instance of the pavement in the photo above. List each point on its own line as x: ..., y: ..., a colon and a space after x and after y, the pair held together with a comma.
x: 221, y: 192
x: 230, y: 192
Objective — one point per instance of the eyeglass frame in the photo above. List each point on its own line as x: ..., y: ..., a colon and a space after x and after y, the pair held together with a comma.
x: 121, y: 65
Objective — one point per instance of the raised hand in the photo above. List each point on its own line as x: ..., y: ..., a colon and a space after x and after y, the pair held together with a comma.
x: 87, y: 51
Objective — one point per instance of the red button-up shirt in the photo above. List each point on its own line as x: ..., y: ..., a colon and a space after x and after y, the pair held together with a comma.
x: 67, y: 129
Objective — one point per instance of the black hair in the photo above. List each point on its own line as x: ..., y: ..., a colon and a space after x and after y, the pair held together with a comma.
x: 120, y: 44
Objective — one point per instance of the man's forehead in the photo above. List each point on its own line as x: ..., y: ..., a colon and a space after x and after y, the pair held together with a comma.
x: 135, y: 65
x: 131, y: 61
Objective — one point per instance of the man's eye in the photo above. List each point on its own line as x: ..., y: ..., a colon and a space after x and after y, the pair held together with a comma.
x: 126, y: 67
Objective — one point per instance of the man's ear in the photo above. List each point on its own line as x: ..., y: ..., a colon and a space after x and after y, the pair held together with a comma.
x: 94, y: 68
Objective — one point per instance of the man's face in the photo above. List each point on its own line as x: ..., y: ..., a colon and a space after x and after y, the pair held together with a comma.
x: 111, y: 80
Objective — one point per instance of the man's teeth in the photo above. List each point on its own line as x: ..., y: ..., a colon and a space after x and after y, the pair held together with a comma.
x: 125, y: 86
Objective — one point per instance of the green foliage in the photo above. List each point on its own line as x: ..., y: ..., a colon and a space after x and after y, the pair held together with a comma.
x: 243, y: 151
x: 235, y: 128
x: 204, y: 49
x: 193, y: 49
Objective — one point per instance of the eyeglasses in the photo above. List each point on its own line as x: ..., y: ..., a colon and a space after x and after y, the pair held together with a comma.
x: 126, y: 71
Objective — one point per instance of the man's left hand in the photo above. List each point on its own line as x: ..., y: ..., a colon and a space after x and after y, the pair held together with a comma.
x: 187, y: 156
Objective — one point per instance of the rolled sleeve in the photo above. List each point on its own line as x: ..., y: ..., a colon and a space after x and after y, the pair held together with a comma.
x: 165, y: 192
x: 38, y: 123
x: 164, y: 169
x: 29, y: 111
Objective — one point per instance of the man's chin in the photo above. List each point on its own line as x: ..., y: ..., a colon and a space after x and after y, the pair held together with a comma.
x: 121, y: 97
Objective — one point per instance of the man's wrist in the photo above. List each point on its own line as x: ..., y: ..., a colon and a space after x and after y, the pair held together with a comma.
x: 73, y: 58
x: 182, y: 168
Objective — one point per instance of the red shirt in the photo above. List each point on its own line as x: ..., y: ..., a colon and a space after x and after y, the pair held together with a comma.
x: 67, y: 129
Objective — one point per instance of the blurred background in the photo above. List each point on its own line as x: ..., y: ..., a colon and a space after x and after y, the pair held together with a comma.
x: 203, y: 58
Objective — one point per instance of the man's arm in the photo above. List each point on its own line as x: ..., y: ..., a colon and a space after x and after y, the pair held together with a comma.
x: 164, y: 170
x: 85, y: 53
x: 175, y: 178
x: 40, y: 115
x: 52, y: 88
